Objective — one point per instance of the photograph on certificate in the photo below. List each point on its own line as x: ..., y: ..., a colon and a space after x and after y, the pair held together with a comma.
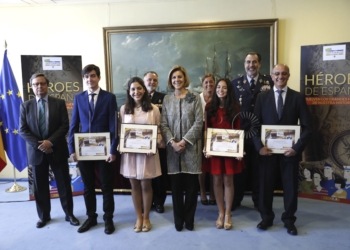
x: 92, y: 146
x: 138, y: 138
x: 279, y: 138
x: 225, y: 142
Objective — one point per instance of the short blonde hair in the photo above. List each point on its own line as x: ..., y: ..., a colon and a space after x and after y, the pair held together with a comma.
x: 178, y: 68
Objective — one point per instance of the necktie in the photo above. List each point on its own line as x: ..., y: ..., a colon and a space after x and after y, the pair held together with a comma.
x: 92, y: 104
x: 279, y: 104
x: 252, y: 85
x: 42, y: 119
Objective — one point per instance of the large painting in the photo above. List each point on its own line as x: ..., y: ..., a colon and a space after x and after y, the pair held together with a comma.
x: 217, y: 48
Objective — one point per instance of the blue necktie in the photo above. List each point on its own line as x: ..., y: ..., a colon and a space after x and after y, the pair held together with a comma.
x: 92, y: 104
x: 280, y: 104
x: 42, y: 119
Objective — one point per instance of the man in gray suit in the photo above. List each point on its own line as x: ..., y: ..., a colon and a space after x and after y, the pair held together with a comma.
x: 43, y: 125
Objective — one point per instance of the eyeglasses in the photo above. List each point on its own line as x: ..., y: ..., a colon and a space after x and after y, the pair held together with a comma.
x: 35, y: 85
x: 280, y: 73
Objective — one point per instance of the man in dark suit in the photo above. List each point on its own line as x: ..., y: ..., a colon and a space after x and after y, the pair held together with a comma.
x: 281, y: 106
x: 43, y: 125
x: 94, y: 111
x: 158, y: 184
x: 247, y: 88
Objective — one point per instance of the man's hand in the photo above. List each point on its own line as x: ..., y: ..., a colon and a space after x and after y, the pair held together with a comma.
x: 45, y: 147
x: 290, y: 152
x: 265, y: 151
x: 111, y: 158
x: 74, y: 157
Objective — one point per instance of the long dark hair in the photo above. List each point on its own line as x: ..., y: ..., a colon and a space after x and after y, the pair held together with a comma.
x: 230, y: 103
x: 130, y: 103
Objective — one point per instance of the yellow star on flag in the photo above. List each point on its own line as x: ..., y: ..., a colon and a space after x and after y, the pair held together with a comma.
x: 18, y: 94
x: 15, y: 131
x: 9, y: 92
x: 7, y: 130
x: 2, y: 96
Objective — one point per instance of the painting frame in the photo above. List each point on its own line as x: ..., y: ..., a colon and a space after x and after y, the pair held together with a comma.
x: 92, y: 136
x: 285, y: 129
x: 209, y: 143
x: 144, y: 128
x: 113, y: 62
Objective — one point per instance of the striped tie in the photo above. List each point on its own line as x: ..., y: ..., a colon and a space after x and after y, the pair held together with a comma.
x: 279, y: 104
x: 42, y: 119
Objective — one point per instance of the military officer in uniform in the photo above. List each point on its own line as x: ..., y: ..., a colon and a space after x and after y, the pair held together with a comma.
x: 247, y: 87
x: 159, y: 183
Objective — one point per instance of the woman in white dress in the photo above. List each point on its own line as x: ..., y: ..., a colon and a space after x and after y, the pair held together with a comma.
x: 140, y: 168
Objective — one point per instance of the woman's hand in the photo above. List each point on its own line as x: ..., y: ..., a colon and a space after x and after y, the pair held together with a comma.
x: 179, y: 147
x: 205, y: 154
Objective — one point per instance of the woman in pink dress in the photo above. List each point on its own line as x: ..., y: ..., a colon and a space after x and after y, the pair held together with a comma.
x: 220, y: 113
x: 140, y: 168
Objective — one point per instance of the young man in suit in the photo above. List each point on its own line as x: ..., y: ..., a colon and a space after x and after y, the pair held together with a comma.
x: 247, y: 87
x: 43, y: 125
x: 281, y: 106
x: 94, y: 111
x: 158, y: 184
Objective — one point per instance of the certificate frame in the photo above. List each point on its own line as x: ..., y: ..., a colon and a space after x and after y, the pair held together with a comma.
x: 215, y: 134
x: 139, y: 132
x: 280, y: 132
x: 82, y: 140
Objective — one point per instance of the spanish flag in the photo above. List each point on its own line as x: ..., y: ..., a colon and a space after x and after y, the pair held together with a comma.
x: 3, y: 162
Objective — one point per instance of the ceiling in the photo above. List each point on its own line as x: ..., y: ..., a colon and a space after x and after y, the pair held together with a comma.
x: 24, y: 3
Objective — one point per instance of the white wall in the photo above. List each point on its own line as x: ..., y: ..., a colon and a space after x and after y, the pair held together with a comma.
x: 77, y: 30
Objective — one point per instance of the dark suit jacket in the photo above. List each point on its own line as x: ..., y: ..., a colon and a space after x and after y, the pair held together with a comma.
x: 294, y: 109
x: 103, y: 119
x: 157, y: 98
x: 242, y: 90
x: 58, y: 128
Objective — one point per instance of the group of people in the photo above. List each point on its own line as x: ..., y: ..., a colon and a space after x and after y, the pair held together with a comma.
x: 182, y: 118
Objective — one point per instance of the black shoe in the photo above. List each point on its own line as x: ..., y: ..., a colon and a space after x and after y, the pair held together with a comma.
x: 212, y: 202
x: 263, y: 225
x: 179, y: 227
x: 204, y: 202
x: 109, y: 227
x: 189, y: 227
x: 234, y: 206
x: 160, y: 209
x: 291, y: 229
x: 72, y: 220
x: 90, y: 222
x: 42, y: 223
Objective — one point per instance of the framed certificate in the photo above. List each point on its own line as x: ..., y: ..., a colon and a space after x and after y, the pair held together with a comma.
x: 224, y: 142
x: 92, y: 146
x: 138, y: 138
x: 279, y: 137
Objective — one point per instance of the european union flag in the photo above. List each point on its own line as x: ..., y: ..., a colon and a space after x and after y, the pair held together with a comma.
x: 10, y: 101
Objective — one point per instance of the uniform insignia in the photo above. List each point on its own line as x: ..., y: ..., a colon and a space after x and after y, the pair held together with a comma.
x: 260, y: 80
x: 244, y: 81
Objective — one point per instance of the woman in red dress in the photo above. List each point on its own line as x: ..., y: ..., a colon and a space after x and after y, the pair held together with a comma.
x: 220, y: 113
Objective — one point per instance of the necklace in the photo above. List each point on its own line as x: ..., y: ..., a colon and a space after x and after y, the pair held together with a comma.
x: 138, y: 108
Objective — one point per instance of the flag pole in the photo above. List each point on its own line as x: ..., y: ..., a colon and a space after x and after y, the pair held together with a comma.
x: 15, y: 187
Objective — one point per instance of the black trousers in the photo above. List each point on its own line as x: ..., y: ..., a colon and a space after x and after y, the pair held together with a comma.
x: 288, y: 166
x: 42, y: 190
x: 159, y: 183
x: 249, y: 176
x: 184, y: 188
x: 104, y: 169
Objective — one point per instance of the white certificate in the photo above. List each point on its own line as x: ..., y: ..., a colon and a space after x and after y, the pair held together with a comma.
x: 225, y: 146
x: 93, y: 150
x: 138, y: 143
